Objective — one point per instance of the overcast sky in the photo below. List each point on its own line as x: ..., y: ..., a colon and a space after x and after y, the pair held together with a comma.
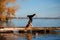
x: 43, y: 8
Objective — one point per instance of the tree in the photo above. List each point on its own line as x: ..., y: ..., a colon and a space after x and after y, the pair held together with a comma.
x: 5, y: 11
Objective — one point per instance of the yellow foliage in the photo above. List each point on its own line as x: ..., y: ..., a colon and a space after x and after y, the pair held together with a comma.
x: 3, y: 18
x: 12, y: 1
x: 10, y: 10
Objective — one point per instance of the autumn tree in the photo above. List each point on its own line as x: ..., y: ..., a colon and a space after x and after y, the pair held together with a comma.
x: 5, y: 11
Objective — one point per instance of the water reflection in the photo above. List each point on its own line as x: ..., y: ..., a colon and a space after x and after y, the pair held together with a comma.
x: 6, y: 37
x: 27, y: 36
x: 6, y: 24
x: 1, y: 23
x: 2, y: 37
x: 12, y: 36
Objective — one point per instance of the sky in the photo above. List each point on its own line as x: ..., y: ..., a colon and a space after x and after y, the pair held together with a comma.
x: 42, y: 8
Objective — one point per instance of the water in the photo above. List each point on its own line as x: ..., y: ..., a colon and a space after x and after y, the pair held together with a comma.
x: 31, y: 36
x: 38, y: 22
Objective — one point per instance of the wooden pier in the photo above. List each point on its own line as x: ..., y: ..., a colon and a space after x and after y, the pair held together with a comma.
x: 33, y: 29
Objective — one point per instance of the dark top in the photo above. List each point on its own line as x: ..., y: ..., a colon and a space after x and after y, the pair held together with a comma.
x: 30, y: 19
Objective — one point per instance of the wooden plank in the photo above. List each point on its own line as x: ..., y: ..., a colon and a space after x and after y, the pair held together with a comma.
x: 33, y: 28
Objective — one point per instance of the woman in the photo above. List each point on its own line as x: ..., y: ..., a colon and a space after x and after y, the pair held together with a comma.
x: 29, y: 25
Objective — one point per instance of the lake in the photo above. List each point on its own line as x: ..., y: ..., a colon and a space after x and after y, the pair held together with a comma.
x: 38, y: 22
x: 31, y: 36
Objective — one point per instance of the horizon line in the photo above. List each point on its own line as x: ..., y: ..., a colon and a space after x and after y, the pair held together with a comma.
x: 36, y: 17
